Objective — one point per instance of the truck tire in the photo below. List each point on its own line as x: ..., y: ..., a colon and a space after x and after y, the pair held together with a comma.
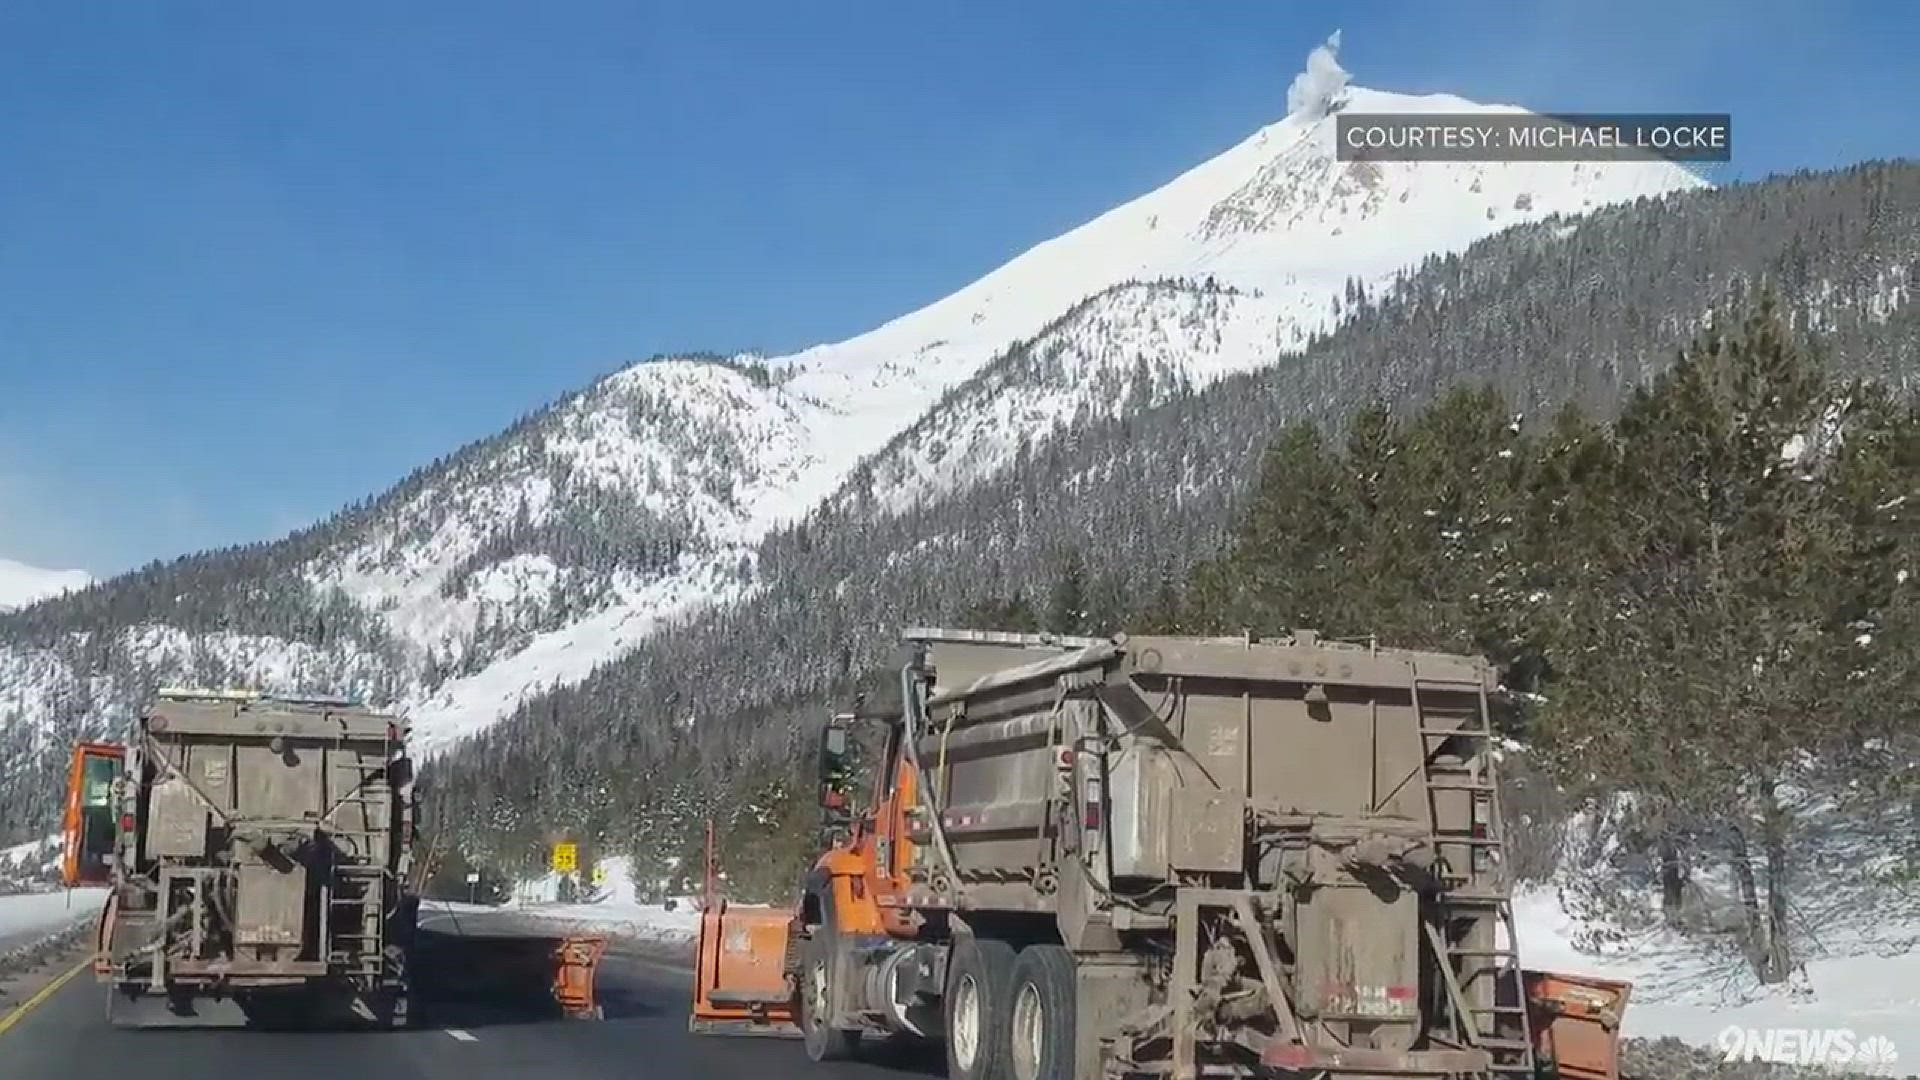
x: 1041, y: 1023
x: 821, y: 968
x: 979, y: 985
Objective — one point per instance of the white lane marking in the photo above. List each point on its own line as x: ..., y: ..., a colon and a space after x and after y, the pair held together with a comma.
x: 462, y: 1036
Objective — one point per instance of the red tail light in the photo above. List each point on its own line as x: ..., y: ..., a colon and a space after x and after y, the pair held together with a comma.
x: 1090, y: 812
x: 126, y: 822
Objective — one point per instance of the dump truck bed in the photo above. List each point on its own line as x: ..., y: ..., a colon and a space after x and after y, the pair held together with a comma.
x: 264, y: 847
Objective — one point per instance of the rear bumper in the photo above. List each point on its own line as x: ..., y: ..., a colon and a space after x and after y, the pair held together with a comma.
x: 1411, y: 1063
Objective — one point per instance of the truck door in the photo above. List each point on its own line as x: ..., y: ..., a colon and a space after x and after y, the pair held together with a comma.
x: 88, y: 824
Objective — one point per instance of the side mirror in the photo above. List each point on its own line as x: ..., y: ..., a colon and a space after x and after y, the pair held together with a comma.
x: 835, y: 775
x: 89, y: 826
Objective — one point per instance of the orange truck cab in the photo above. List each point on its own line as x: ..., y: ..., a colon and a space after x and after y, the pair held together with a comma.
x: 87, y: 826
x: 747, y: 960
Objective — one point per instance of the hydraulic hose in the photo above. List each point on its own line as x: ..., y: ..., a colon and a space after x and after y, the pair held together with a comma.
x: 913, y: 721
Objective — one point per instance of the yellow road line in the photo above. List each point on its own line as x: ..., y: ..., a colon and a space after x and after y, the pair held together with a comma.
x: 20, y: 1012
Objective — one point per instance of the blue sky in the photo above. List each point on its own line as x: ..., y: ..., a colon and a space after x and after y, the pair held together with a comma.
x: 257, y: 260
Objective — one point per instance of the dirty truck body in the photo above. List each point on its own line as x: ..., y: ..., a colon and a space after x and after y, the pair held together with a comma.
x: 261, y: 863
x: 1157, y: 856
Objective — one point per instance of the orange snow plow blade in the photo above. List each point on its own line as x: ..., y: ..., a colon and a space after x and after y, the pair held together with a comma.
x: 542, y: 973
x: 574, y: 965
x: 1576, y: 1023
x: 740, y: 982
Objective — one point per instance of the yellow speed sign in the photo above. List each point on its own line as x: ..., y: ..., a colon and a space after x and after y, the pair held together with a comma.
x: 566, y: 857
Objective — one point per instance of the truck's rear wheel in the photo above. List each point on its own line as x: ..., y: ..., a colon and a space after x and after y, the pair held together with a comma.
x: 979, y: 978
x: 820, y: 968
x: 1040, y: 1031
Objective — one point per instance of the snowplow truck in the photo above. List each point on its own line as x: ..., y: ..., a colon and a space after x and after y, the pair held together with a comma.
x: 258, y: 862
x: 1159, y: 856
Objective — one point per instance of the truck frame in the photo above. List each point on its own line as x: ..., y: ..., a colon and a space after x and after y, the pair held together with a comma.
x: 1160, y: 856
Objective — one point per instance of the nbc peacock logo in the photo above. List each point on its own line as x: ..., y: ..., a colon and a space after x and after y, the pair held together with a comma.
x: 1875, y: 1055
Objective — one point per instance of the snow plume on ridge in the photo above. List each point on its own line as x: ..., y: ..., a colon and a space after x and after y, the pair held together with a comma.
x: 1318, y: 89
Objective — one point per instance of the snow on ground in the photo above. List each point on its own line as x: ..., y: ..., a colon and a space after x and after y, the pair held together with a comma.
x: 26, y: 917
x: 617, y: 910
x: 29, y: 866
x: 1683, y: 992
x: 30, y: 856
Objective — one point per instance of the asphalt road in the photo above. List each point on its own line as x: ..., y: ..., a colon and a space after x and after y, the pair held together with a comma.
x: 644, y: 1036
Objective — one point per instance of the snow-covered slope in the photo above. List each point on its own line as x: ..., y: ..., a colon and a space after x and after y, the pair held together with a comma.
x: 615, y: 908
x: 562, y: 543
x: 1231, y: 266
x: 21, y: 584
x: 1869, y: 987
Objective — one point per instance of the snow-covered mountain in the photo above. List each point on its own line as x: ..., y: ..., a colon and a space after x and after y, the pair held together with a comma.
x: 1230, y: 266
x: 532, y: 557
x: 21, y: 584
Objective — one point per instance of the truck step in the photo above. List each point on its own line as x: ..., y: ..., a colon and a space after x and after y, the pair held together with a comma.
x: 1462, y: 898
x: 1464, y: 685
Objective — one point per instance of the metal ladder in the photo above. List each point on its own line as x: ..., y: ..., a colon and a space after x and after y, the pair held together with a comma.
x: 356, y: 889
x: 1485, y: 984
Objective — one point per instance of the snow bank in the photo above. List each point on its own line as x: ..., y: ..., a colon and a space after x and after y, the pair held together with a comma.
x: 25, y: 917
x: 30, y: 866
x: 617, y: 909
x: 1683, y: 992
x: 33, y: 855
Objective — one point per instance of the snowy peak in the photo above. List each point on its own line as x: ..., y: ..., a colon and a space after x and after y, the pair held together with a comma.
x: 1277, y: 214
x: 1363, y: 209
x: 21, y: 585
x: 530, y: 558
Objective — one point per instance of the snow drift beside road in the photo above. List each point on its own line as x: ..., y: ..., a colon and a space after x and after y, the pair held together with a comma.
x: 27, y: 917
x: 1682, y: 992
x: 615, y: 910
